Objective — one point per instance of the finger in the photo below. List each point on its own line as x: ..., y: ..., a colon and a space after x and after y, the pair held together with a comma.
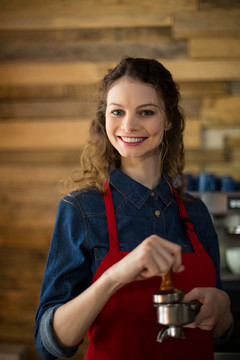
x: 163, y: 255
x: 195, y: 294
x: 173, y: 253
x: 156, y: 265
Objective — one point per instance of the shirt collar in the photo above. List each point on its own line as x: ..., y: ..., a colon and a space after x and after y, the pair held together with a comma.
x: 137, y: 193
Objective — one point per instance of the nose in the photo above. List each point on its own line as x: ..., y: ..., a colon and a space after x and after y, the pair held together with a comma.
x: 129, y: 123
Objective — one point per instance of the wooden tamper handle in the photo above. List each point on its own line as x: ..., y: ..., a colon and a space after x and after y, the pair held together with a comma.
x: 167, y: 284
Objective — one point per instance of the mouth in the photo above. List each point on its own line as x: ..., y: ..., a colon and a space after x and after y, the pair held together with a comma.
x: 132, y: 140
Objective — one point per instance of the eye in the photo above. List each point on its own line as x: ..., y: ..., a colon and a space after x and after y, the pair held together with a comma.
x: 117, y: 112
x: 146, y: 113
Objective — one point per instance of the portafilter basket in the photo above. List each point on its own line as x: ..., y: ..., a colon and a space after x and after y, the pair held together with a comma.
x: 174, y: 312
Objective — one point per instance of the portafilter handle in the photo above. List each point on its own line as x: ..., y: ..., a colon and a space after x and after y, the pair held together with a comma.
x: 195, y: 306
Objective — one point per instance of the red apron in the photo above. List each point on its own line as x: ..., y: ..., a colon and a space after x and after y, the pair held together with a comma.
x: 127, y: 328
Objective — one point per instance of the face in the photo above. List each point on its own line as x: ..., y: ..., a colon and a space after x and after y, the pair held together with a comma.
x: 135, y: 119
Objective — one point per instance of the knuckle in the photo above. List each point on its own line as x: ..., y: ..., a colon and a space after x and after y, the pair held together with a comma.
x: 178, y: 248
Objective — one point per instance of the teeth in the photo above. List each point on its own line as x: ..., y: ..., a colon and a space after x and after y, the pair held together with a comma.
x: 131, y: 139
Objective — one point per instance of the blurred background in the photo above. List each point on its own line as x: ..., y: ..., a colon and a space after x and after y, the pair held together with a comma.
x: 52, y: 56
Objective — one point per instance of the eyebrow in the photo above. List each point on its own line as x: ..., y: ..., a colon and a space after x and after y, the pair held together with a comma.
x: 150, y: 104
x: 140, y: 106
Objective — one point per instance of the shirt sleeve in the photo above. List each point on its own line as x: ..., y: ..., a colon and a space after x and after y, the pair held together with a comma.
x: 48, y: 338
x: 67, y: 274
x: 225, y: 337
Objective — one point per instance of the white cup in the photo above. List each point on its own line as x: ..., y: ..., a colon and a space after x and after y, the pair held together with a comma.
x: 233, y: 259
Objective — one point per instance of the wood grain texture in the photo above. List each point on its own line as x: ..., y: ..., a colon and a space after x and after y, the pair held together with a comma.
x: 192, y: 137
x: 43, y: 135
x: 89, y: 92
x: 214, y: 47
x: 92, y: 72
x: 90, y: 14
x: 207, y: 24
x: 223, y: 110
x: 83, y: 36
x: 47, y: 109
x: 92, y: 52
x: 39, y: 157
x: 37, y: 22
x: 218, y: 4
x: 53, y: 55
x: 52, y: 73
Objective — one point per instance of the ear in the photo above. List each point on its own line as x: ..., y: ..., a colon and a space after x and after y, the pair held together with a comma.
x: 167, y: 126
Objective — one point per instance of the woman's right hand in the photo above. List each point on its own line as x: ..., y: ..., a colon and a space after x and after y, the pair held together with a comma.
x: 155, y: 256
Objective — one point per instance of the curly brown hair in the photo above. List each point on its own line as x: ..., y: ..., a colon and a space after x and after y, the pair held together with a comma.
x: 99, y: 155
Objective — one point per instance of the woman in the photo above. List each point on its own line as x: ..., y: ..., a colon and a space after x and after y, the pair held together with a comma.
x: 122, y: 229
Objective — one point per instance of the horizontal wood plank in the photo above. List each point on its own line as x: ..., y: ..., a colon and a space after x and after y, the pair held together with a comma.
x: 39, y: 157
x: 234, y: 87
x: 90, y: 13
x: 49, y: 74
x: 84, y: 36
x: 27, y: 263
x: 47, y: 22
x: 25, y: 207
x: 207, y: 24
x: 193, y: 168
x: 214, y: 47
x: 71, y: 7
x: 61, y: 109
x: 215, y: 4
x: 13, y: 301
x: 84, y: 72
x: 13, y: 53
x: 69, y: 108
x: 25, y: 237
x: 232, y: 142
x: 11, y: 329
x: 35, y: 135
x: 205, y: 70
x: 33, y: 175
x: 230, y: 168
x: 191, y: 107
x: 201, y: 156
x: 222, y: 110
x: 202, y: 89
x: 192, y: 135
x: 89, y: 92
x: 84, y: 92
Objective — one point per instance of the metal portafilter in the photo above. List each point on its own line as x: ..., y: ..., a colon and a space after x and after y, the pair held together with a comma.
x: 172, y: 310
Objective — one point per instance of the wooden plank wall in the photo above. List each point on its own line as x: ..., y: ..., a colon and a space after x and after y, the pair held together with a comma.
x: 52, y: 55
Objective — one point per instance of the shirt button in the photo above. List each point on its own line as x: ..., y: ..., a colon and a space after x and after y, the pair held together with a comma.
x: 157, y: 213
x: 152, y: 194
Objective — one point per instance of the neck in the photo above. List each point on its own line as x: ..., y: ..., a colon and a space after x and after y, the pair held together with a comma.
x: 147, y: 173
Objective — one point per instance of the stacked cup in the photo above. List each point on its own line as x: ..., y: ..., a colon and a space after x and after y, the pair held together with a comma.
x: 210, y: 182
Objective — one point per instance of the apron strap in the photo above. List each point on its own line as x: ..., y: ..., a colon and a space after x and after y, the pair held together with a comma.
x: 111, y: 220
x: 187, y: 223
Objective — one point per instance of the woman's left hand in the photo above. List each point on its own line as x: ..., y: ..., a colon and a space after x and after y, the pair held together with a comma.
x: 215, y: 313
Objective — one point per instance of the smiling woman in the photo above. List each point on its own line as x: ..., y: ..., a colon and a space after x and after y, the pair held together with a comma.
x: 126, y: 227
x: 139, y: 113
x: 135, y: 124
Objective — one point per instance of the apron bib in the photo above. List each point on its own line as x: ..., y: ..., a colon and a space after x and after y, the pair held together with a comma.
x: 127, y: 327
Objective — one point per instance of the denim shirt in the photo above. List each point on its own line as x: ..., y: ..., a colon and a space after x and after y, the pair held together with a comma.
x: 80, y: 242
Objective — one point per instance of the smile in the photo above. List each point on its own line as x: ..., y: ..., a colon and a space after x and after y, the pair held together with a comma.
x: 132, y: 140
